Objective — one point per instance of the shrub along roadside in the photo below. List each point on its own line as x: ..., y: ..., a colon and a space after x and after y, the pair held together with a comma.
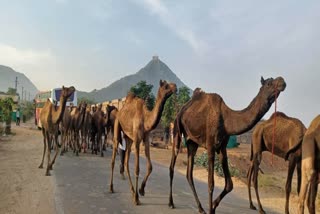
x: 202, y: 160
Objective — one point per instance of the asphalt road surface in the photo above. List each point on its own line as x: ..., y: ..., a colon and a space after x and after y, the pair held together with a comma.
x: 82, y: 186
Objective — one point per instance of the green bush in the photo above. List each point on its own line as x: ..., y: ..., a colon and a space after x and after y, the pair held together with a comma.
x: 202, y: 160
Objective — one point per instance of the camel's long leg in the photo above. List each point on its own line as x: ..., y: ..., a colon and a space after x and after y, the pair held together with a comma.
x: 192, y: 150
x: 48, y: 152
x: 249, y: 179
x: 307, y: 169
x: 149, y: 164
x: 256, y: 165
x: 228, y: 181
x: 137, y: 171
x: 63, y: 138
x: 57, y: 151
x: 175, y: 152
x: 76, y: 136
x: 298, y: 161
x: 312, y: 194
x: 292, y: 165
x: 114, y: 154
x: 126, y: 162
x: 101, y: 144
x: 44, y: 147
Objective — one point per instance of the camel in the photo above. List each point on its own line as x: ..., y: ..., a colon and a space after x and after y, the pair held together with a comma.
x: 65, y: 127
x: 310, y: 166
x: 50, y: 118
x: 77, y: 118
x: 99, y: 122
x: 289, y: 133
x: 205, y: 120
x: 136, y: 122
x: 113, y: 112
x: 86, y: 129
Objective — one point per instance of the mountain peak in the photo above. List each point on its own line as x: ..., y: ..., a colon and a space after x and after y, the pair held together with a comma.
x: 151, y: 73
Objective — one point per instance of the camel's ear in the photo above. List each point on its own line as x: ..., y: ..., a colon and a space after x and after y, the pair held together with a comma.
x: 63, y: 87
x: 262, y: 80
x: 161, y: 82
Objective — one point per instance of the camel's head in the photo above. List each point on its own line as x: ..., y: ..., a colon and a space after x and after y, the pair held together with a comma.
x: 83, y: 106
x: 271, y: 88
x: 99, y: 106
x: 167, y: 89
x: 67, y: 91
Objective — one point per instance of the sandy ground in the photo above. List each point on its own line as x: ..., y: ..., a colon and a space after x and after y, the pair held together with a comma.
x: 25, y: 189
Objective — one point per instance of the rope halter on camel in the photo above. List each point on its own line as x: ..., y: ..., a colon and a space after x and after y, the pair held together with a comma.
x: 275, y: 122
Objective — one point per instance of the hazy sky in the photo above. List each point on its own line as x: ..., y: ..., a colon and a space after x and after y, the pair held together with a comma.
x: 221, y: 46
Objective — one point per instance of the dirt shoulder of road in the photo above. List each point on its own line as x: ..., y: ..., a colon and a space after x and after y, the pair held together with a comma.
x: 23, y: 187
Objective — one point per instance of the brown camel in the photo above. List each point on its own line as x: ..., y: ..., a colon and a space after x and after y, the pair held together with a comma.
x: 289, y: 133
x: 207, y: 121
x: 86, y: 129
x: 136, y: 122
x: 113, y: 112
x: 77, y: 118
x: 50, y: 118
x: 310, y: 166
x: 99, y: 122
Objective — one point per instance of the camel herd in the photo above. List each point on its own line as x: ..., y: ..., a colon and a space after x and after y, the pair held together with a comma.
x: 205, y: 120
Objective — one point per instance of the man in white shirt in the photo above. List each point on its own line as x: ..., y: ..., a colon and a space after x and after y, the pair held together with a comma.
x: 18, y: 117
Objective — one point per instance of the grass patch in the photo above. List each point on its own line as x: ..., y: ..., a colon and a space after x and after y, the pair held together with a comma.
x: 202, y: 160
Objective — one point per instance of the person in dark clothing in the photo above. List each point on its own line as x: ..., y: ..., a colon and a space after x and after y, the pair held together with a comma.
x: 122, y: 152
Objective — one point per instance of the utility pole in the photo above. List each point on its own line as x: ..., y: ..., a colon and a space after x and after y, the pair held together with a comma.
x: 22, y: 93
x: 16, y: 84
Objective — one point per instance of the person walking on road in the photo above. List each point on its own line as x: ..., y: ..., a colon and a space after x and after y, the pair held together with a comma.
x: 18, y: 117
x: 122, y: 152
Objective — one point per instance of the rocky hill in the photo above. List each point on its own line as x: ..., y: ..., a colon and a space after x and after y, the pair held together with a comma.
x: 151, y: 73
x: 7, y: 80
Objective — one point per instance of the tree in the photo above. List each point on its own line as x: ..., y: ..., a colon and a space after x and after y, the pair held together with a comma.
x: 173, y: 105
x: 143, y: 90
x: 183, y: 96
x: 5, y: 112
x: 86, y: 100
x: 169, y: 111
x: 12, y: 91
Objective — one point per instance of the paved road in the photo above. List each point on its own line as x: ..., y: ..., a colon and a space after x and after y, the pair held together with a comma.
x: 82, y: 185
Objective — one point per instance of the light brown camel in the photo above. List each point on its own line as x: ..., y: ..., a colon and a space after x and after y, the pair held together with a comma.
x: 65, y: 129
x: 113, y: 112
x: 50, y: 118
x: 207, y: 121
x: 289, y: 133
x: 77, y: 118
x: 136, y: 122
x: 310, y: 166
x: 99, y: 122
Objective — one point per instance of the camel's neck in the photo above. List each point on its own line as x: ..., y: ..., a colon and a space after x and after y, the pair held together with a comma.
x: 238, y: 122
x: 58, y: 114
x: 152, y: 118
x: 82, y: 114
